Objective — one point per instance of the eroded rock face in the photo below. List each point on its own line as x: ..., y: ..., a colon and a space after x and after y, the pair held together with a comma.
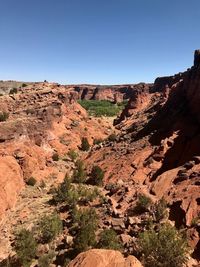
x: 113, y: 93
x: 104, y: 258
x: 138, y: 100
x: 41, y: 123
x: 159, y: 144
x: 11, y: 180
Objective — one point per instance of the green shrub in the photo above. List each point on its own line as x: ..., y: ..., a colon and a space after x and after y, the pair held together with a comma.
x: 73, y: 154
x: 97, y: 141
x: 160, y: 209
x: 96, y: 175
x: 13, y: 91
x: 143, y: 203
x: 72, y: 198
x: 112, y: 137
x: 50, y: 226
x: 86, y: 194
x: 85, y: 146
x: 166, y: 248
x: 109, y: 240
x: 46, y: 260
x: 55, y: 157
x: 123, y: 104
x: 61, y: 193
x: 66, y: 193
x: 79, y: 174
x: 25, y: 247
x: 24, y: 84
x: 86, y: 237
x: 4, y: 116
x: 31, y: 181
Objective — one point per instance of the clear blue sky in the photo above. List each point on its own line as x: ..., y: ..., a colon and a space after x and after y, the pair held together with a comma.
x: 97, y: 41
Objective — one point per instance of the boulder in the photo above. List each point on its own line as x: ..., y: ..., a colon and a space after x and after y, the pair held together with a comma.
x: 103, y: 258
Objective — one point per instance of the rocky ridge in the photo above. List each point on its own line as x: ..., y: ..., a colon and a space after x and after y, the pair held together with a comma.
x: 158, y: 147
x: 113, y: 93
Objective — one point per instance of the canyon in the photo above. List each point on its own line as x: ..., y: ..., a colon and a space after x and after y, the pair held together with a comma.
x: 155, y: 151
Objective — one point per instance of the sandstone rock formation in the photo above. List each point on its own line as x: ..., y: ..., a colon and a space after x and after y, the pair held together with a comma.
x: 158, y: 147
x: 104, y: 258
x: 113, y: 93
x: 40, y: 124
x: 156, y: 151
x: 11, y: 179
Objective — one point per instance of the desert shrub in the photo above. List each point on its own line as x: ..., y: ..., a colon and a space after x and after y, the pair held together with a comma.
x: 112, y: 137
x: 13, y: 91
x: 24, y: 84
x: 25, y: 247
x: 96, y: 175
x: 66, y: 193
x: 46, y: 259
x: 4, y: 116
x: 160, y: 209
x: 86, y: 194
x: 97, y: 141
x: 50, y: 226
x: 31, y: 181
x: 85, y: 237
x: 113, y: 188
x: 123, y: 104
x: 73, y: 154
x: 72, y: 198
x: 109, y: 240
x: 61, y: 193
x: 85, y: 146
x: 143, y: 203
x: 166, y: 248
x: 79, y: 174
x: 55, y: 157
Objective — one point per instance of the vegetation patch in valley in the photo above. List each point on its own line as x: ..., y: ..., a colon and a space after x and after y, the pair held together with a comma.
x: 100, y: 108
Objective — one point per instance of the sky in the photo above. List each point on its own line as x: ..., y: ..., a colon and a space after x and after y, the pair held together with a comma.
x: 97, y: 41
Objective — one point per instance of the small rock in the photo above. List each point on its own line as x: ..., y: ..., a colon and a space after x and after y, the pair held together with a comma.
x: 69, y: 239
x: 126, y: 239
x: 118, y: 224
x: 189, y: 165
x: 134, y: 220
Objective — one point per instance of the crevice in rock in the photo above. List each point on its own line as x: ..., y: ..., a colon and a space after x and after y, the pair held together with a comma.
x: 177, y: 214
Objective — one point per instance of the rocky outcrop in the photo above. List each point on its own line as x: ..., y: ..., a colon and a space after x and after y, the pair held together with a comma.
x: 158, y: 147
x: 104, y: 258
x: 138, y: 100
x: 113, y: 93
x: 40, y: 124
x: 11, y: 180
